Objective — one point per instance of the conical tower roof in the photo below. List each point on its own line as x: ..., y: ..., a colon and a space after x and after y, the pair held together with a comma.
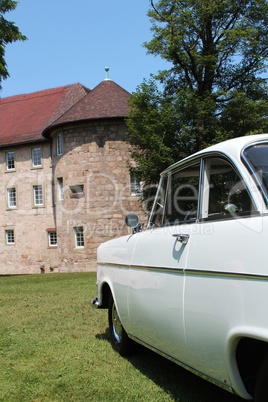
x: 106, y: 100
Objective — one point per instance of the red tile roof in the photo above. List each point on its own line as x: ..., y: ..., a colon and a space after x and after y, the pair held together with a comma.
x: 23, y: 118
x: 106, y: 100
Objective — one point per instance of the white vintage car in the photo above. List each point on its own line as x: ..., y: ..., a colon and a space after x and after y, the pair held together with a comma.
x: 193, y: 286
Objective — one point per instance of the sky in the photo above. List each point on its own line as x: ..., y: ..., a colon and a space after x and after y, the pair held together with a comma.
x: 73, y: 41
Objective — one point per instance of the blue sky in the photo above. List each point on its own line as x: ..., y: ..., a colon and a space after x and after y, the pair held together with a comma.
x: 73, y: 41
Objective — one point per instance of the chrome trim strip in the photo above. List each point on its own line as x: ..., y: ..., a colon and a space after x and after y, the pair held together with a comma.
x: 220, y: 384
x: 227, y: 275
x: 191, y: 271
x: 112, y: 264
x: 141, y: 267
x: 158, y: 269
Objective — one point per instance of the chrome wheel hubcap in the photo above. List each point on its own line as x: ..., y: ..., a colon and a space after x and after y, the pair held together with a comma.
x: 117, y: 326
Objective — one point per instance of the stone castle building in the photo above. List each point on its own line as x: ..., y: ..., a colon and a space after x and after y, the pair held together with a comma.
x: 66, y: 185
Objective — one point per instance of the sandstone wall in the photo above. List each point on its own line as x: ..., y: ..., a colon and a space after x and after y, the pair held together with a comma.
x: 96, y: 158
x: 94, y: 172
x: 30, y: 252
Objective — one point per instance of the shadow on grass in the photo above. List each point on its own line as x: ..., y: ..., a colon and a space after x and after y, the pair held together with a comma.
x: 177, y: 382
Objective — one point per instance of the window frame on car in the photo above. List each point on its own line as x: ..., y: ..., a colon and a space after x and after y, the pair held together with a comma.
x: 255, y: 169
x: 162, y: 199
x: 204, y: 186
x: 239, y: 188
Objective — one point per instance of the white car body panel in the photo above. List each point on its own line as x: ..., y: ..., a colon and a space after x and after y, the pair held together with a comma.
x: 148, y: 295
x: 193, y: 302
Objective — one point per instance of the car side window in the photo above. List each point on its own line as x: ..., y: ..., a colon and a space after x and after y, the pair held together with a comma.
x: 182, y: 198
x: 157, y: 214
x: 256, y: 158
x: 225, y: 193
x: 177, y: 197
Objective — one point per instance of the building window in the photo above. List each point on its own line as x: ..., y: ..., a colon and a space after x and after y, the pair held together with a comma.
x: 135, y: 186
x: 59, y: 144
x: 77, y: 191
x: 79, y: 237
x: 52, y: 239
x: 38, y: 195
x: 11, y: 197
x: 10, y: 160
x: 10, y: 238
x: 60, y: 188
x: 36, y: 157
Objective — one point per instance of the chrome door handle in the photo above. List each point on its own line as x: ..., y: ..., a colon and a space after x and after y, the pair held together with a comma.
x: 182, y: 238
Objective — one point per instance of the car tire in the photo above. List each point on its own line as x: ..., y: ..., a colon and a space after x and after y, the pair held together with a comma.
x: 261, y: 388
x: 120, y: 341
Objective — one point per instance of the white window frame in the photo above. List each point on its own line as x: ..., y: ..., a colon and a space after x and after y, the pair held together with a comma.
x: 52, y: 239
x: 79, y: 237
x: 37, y: 159
x: 10, y: 236
x: 12, y: 197
x: 60, y: 188
x: 59, y: 144
x: 10, y: 162
x: 135, y: 186
x: 38, y: 196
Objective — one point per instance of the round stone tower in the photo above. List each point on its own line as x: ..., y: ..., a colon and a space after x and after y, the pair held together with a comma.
x: 92, y: 183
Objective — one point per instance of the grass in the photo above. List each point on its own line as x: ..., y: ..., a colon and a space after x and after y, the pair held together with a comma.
x: 55, y: 347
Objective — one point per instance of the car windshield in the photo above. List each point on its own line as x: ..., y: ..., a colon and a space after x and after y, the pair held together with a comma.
x: 256, y: 157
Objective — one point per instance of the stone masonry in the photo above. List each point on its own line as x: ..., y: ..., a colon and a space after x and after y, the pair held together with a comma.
x: 56, y: 210
x: 101, y: 152
x: 30, y: 252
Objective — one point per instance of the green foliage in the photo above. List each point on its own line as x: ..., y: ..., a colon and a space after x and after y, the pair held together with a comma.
x: 217, y: 51
x: 9, y: 33
x: 152, y: 124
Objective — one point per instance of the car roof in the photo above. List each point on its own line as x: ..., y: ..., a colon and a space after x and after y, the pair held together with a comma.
x: 232, y: 148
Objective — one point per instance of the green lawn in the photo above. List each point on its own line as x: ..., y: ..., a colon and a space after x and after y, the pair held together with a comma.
x: 55, y: 347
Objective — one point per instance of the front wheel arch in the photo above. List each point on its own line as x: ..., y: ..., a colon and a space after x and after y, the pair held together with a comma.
x: 105, y: 295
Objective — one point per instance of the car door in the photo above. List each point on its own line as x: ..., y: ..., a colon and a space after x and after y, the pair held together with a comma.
x: 220, y: 256
x: 156, y: 281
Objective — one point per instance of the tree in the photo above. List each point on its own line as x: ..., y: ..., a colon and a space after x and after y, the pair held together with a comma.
x: 213, y: 90
x: 8, y: 33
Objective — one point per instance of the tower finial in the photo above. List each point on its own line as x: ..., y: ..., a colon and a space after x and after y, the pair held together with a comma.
x: 107, y: 74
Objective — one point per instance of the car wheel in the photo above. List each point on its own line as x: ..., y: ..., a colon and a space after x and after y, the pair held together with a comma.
x: 261, y: 388
x: 119, y: 338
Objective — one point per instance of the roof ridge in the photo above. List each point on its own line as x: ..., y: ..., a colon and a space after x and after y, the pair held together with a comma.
x: 66, y: 111
x: 38, y: 94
